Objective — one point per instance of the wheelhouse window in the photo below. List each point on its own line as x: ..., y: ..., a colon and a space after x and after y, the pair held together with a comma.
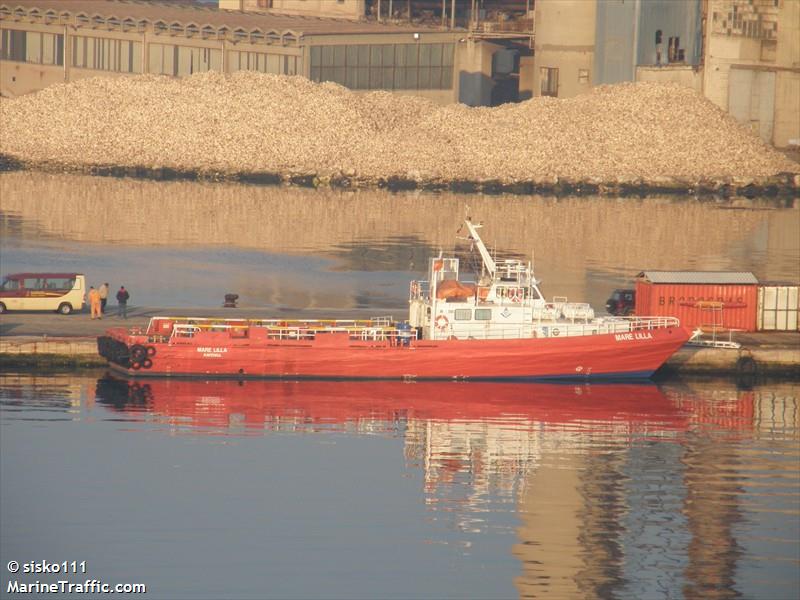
x: 483, y: 314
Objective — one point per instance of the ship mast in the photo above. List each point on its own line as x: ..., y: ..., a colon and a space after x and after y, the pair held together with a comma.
x: 488, y: 261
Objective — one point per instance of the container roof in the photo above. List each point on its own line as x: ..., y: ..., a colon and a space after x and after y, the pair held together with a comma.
x: 700, y: 277
x: 201, y: 16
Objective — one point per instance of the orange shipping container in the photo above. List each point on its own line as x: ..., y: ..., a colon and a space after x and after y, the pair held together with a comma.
x: 726, y: 300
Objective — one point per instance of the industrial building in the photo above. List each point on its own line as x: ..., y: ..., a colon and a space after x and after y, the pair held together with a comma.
x: 53, y: 41
x: 743, y: 55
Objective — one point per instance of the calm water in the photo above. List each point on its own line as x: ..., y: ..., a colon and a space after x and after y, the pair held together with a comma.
x: 187, y: 244
x: 396, y: 490
x: 365, y: 490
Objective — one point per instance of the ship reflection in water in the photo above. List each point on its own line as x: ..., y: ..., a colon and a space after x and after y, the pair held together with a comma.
x: 392, y: 489
x: 620, y: 490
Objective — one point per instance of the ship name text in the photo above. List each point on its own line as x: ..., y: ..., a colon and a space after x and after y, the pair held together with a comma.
x: 639, y: 335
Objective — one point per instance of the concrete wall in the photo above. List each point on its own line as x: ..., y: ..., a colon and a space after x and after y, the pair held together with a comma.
x: 565, y: 39
x: 474, y: 69
x: 615, y: 40
x: 755, y: 73
x: 688, y: 76
x: 17, y: 79
x: 786, y: 126
x: 527, y: 75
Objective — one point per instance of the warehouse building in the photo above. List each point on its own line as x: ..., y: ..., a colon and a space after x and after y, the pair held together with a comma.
x: 43, y: 42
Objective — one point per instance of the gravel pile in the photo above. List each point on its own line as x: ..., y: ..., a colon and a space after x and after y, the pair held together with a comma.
x: 252, y: 122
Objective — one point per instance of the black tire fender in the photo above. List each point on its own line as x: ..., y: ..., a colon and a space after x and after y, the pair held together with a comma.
x: 138, y: 352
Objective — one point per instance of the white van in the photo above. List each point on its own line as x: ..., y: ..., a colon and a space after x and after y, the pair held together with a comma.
x: 60, y: 292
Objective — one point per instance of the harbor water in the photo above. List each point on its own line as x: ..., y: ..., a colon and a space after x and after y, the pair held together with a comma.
x: 400, y: 490
x: 265, y: 489
x: 186, y: 244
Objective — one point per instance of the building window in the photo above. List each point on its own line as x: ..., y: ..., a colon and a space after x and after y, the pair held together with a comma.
x: 583, y: 76
x: 103, y: 54
x: 549, y: 79
x: 179, y: 61
x: 32, y: 47
x: 279, y: 64
x: 463, y: 314
x: 385, y: 66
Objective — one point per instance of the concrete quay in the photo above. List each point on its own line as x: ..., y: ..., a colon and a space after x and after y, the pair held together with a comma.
x: 43, y: 340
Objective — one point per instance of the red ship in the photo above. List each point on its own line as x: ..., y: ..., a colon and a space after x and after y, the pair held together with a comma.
x: 498, y: 327
x: 640, y: 406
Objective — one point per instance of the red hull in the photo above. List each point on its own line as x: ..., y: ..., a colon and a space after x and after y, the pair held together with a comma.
x: 259, y: 403
x: 336, y: 356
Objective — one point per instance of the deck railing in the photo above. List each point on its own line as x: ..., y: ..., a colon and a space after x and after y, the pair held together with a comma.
x: 378, y: 329
x: 563, y: 328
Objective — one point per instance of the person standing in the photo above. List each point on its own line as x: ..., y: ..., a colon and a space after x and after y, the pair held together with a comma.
x: 94, y: 303
x: 122, y: 302
x: 103, y: 291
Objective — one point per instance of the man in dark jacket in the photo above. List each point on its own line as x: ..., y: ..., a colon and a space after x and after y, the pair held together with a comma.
x: 122, y: 302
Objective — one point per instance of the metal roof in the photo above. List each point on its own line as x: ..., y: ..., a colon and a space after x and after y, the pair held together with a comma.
x: 700, y: 277
x: 198, y: 16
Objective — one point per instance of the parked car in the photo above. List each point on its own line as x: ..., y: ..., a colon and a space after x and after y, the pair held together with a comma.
x: 59, y: 292
x: 621, y: 302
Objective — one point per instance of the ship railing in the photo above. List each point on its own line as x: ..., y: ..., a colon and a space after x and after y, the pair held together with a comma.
x: 623, y: 324
x: 184, y: 330
x: 419, y: 290
x: 392, y: 334
x: 166, y: 325
x: 512, y: 270
x: 653, y: 322
x: 376, y: 329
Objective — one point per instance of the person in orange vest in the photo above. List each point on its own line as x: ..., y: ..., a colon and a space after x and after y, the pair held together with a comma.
x: 94, y: 302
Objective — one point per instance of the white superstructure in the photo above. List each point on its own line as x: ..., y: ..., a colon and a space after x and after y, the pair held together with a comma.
x: 505, y: 303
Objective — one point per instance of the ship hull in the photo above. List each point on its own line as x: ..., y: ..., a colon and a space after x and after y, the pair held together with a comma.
x: 336, y: 356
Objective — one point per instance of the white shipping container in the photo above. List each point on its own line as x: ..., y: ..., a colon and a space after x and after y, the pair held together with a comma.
x: 778, y: 308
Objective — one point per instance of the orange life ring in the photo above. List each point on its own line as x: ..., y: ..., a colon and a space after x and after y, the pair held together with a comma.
x: 442, y: 322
